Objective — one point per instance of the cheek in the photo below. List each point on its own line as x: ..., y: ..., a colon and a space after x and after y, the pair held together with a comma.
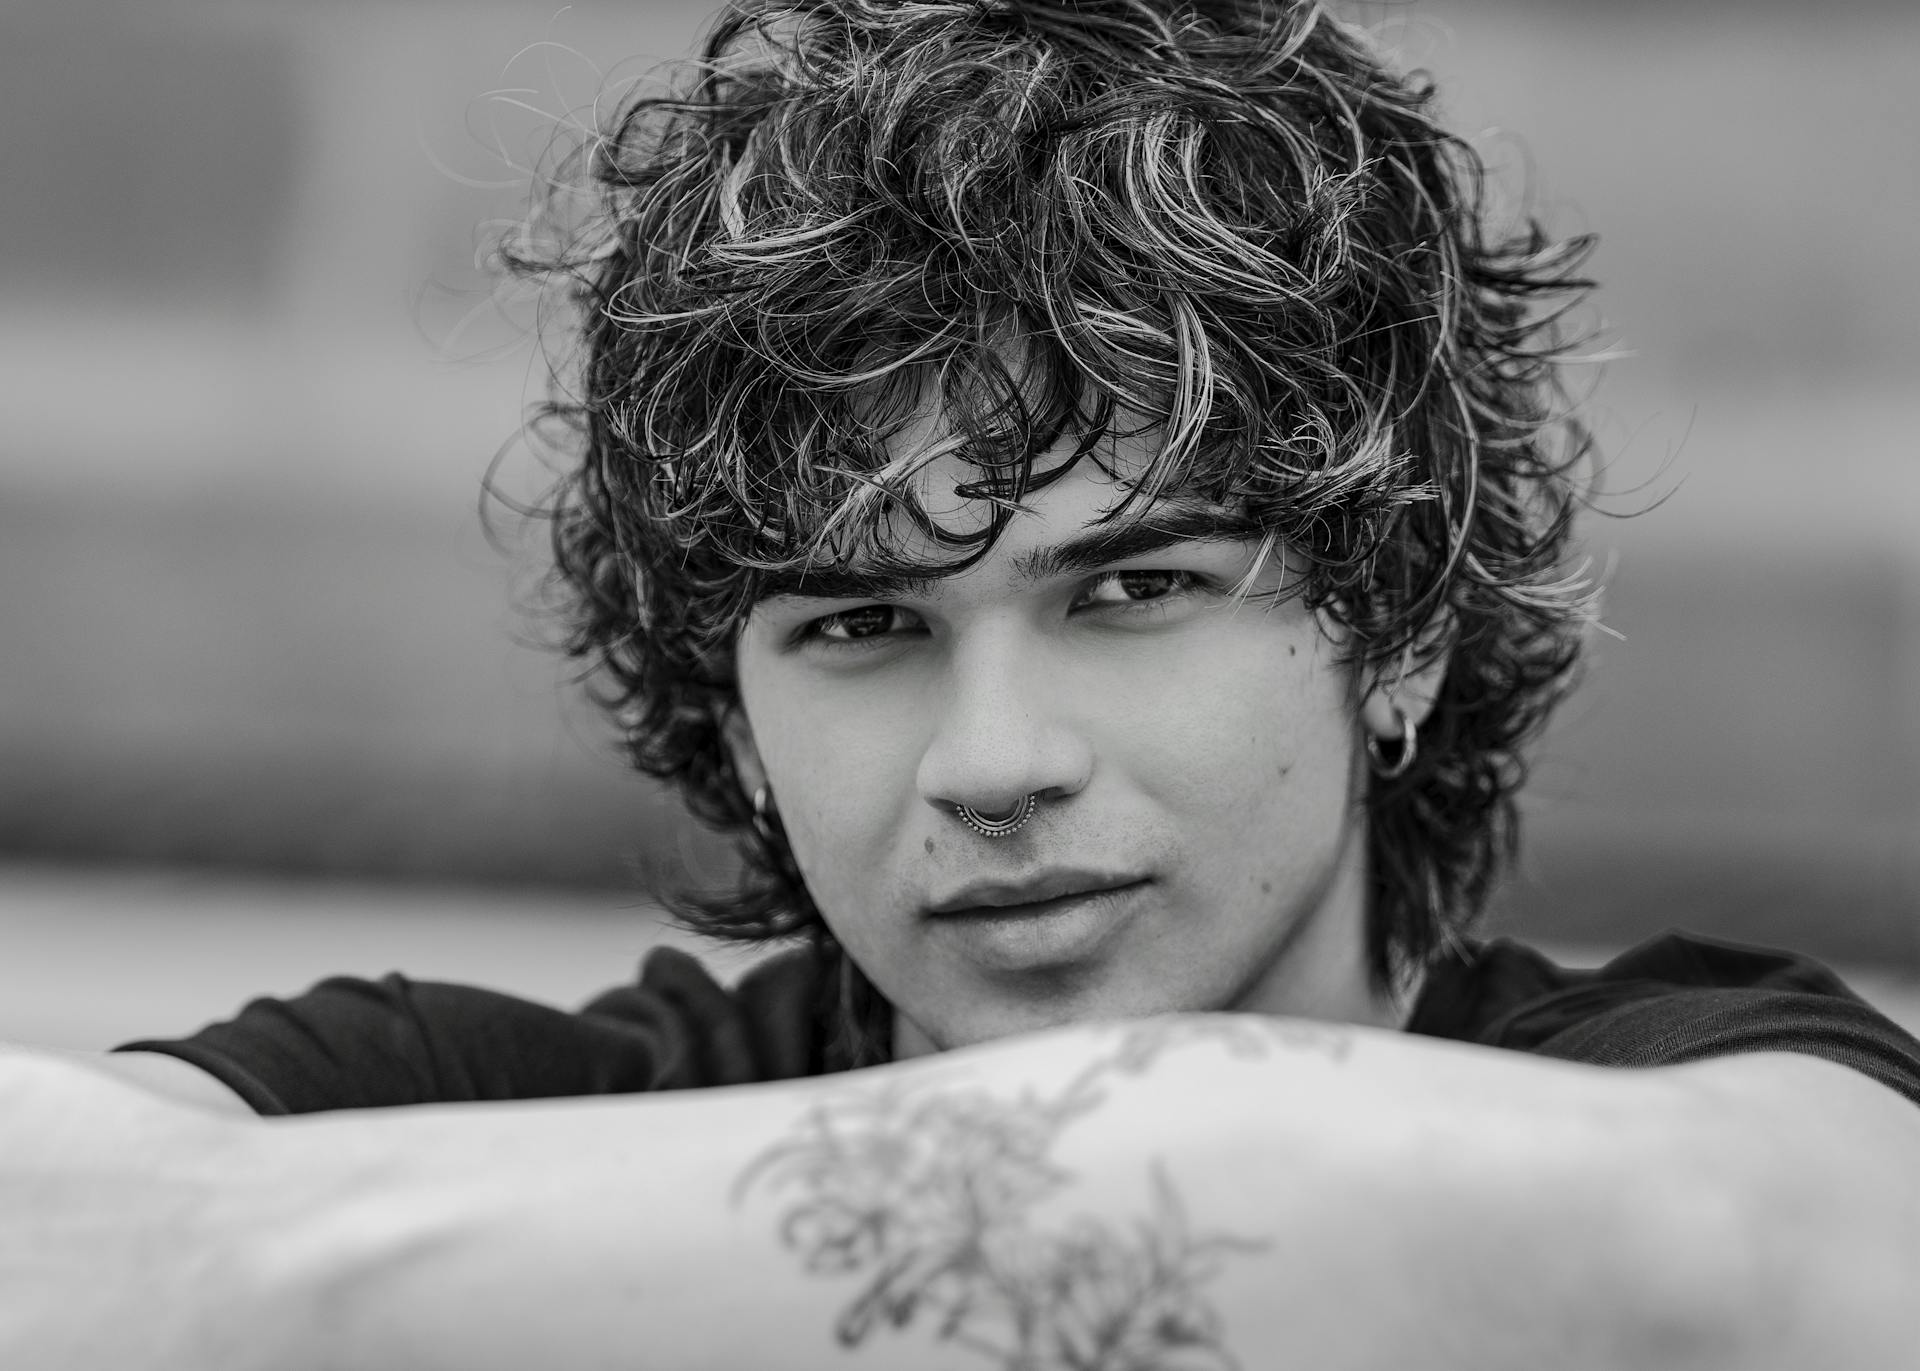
x: 828, y: 765
x: 1258, y: 723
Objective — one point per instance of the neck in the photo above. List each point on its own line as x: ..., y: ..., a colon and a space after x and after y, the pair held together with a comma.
x: 1322, y: 971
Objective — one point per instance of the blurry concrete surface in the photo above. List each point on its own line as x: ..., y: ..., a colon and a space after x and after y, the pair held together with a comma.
x: 96, y: 958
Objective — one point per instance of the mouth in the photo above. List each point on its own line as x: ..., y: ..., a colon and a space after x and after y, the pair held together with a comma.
x: 1049, y: 932
x: 1035, y: 894
x: 1035, y: 908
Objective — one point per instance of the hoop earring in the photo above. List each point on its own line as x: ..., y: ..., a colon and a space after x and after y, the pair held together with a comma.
x: 1409, y: 749
x: 762, y: 820
x: 1011, y: 822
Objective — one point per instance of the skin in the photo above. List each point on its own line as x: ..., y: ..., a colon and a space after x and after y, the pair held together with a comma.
x: 1209, y: 751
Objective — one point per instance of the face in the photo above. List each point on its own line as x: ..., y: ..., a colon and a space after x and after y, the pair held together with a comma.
x: 1197, y: 842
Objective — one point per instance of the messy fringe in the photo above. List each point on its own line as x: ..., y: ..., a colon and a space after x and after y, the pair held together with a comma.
x: 1226, y: 222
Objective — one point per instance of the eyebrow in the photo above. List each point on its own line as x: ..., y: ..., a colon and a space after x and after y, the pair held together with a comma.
x: 1170, y: 524
x: 1175, y: 521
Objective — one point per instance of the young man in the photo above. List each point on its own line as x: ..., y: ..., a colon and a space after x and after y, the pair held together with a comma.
x: 1081, y: 489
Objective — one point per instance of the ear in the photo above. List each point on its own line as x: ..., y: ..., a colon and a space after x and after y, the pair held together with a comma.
x: 736, y: 731
x: 1409, y: 686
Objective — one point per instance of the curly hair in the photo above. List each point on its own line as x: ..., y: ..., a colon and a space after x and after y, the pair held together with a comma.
x: 1231, y: 220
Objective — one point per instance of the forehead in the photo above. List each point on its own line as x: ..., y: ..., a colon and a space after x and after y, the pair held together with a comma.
x: 1074, y: 525
x: 1094, y: 483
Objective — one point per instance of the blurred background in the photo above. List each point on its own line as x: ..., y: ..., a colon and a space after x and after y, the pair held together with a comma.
x: 266, y: 708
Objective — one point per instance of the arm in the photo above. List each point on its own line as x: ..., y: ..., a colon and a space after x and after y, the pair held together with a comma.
x: 166, y: 1077
x: 1817, y: 1165
x: 1203, y: 1191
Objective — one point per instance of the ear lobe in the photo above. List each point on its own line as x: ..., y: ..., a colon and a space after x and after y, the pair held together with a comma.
x: 1410, y: 691
x: 736, y: 731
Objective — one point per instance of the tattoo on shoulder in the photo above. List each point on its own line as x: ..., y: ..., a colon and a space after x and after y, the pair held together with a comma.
x: 927, y: 1193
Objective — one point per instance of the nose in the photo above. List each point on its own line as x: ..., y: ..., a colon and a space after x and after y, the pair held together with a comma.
x: 1002, y: 730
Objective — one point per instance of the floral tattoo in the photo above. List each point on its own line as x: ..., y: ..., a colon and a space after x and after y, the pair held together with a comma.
x: 928, y: 1195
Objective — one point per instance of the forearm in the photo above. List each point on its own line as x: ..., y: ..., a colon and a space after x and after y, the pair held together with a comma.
x: 1291, y: 1194
x: 124, y: 1227
x: 1817, y: 1163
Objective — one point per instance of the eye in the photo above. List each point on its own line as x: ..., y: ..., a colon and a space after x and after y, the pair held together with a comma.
x: 1120, y: 589
x: 866, y: 623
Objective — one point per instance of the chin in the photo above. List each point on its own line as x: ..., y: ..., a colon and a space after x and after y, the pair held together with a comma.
x: 985, y: 1024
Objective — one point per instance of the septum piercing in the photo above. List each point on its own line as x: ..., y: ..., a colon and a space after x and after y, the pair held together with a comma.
x: 1007, y: 823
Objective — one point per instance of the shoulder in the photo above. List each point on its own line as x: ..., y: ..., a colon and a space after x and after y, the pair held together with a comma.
x: 1675, y: 998
x: 352, y: 1043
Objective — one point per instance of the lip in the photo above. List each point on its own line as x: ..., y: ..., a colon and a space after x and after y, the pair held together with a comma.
x: 1035, y: 936
x: 1030, y: 894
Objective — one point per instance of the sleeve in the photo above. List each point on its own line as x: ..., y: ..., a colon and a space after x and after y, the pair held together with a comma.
x: 350, y: 1043
x: 1683, y: 998
x: 1693, y: 1025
